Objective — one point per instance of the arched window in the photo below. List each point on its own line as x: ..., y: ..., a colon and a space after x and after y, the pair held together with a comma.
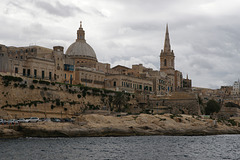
x: 165, y: 62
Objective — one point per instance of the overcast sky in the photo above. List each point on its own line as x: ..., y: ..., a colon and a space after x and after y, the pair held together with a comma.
x: 204, y: 34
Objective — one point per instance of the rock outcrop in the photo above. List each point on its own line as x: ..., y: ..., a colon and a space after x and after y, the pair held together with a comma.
x: 131, y: 125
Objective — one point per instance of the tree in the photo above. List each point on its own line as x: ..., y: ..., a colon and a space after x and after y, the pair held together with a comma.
x: 212, y: 106
x: 120, y: 100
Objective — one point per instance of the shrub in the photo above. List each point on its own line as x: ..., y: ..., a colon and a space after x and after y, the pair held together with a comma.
x: 53, y: 83
x: 52, y: 106
x: 96, y: 90
x: 212, y: 106
x: 16, y: 85
x: 11, y: 78
x: 58, y: 103
x: 233, y: 123
x: 84, y: 93
x: 44, y: 82
x: 23, y: 85
x: 32, y: 87
x: 35, y: 81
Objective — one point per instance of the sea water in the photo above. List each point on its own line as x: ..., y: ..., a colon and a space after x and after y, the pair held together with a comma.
x: 135, y: 147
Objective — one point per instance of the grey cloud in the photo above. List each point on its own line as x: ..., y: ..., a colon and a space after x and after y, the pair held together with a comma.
x: 16, y: 4
x: 58, y: 9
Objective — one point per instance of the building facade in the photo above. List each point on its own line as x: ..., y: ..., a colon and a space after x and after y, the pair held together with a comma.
x: 79, y: 65
x: 167, y: 65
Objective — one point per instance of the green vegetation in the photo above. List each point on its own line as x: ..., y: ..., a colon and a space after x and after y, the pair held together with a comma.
x: 212, y: 106
x: 233, y: 123
x: 32, y: 87
x: 52, y: 106
x: 35, y: 81
x: 120, y: 100
x: 231, y: 104
x: 23, y: 85
x: 7, y: 80
x: 44, y: 82
x: 58, y: 103
x: 16, y: 85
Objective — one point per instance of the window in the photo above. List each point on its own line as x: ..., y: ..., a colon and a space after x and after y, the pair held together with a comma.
x: 150, y: 88
x: 16, y: 70
x: 35, y: 73
x: 65, y: 76
x: 21, y: 57
x: 140, y: 86
x: 165, y: 62
x: 146, y: 88
x: 50, y: 75
x: 114, y: 84
x: 55, y: 76
x: 28, y: 72
x: 42, y: 74
x: 24, y: 72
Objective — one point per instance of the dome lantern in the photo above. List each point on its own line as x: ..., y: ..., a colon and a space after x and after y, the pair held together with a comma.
x: 80, y: 48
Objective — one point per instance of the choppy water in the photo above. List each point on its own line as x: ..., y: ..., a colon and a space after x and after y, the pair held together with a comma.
x: 144, y: 147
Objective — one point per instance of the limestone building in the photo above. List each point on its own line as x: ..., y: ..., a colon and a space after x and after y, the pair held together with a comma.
x: 79, y: 65
x: 236, y: 88
x: 167, y: 65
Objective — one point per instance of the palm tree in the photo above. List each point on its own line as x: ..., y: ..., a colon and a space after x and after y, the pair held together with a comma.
x: 120, y: 99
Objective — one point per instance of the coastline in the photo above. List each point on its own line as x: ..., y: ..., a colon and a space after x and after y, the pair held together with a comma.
x: 93, y: 125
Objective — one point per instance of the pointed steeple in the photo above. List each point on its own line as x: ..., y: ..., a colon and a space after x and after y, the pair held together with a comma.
x: 80, y: 33
x: 167, y: 58
x: 167, y: 46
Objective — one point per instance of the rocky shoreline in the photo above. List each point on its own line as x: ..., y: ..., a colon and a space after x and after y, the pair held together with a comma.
x: 93, y: 125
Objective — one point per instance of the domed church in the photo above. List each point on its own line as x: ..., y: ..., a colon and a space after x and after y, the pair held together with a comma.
x: 81, y: 52
x: 79, y: 65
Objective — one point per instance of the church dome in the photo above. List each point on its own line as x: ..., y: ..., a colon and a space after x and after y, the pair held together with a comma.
x: 80, y: 48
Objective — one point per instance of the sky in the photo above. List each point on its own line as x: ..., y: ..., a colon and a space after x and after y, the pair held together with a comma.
x: 204, y: 34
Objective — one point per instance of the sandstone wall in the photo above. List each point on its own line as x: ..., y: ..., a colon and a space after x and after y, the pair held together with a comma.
x: 18, y: 100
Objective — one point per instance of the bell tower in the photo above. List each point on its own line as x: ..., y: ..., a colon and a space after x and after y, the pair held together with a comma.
x: 167, y: 58
x: 80, y: 33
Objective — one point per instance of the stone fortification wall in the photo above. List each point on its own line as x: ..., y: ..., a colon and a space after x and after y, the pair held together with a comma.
x: 28, y: 98
x: 178, y: 103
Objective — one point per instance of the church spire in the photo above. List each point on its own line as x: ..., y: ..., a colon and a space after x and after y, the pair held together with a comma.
x: 80, y: 24
x: 80, y: 33
x: 167, y: 46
